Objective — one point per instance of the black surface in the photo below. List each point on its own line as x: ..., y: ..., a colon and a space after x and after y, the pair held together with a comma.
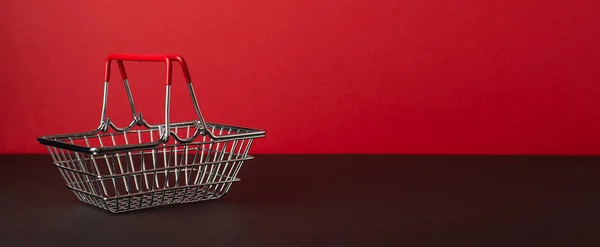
x: 329, y: 201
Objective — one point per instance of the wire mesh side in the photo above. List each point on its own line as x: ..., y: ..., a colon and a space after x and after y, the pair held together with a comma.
x: 172, y: 173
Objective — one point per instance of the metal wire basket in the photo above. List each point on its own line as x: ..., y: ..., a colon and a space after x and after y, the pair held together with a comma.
x: 143, y: 165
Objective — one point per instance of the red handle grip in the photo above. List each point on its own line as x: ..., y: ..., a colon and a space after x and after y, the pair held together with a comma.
x: 168, y: 58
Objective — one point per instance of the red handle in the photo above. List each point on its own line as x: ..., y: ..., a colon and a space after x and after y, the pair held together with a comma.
x: 168, y: 58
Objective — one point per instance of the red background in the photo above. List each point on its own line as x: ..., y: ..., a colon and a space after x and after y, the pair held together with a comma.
x: 321, y: 76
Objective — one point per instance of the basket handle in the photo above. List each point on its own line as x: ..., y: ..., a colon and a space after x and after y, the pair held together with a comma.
x: 168, y: 59
x: 137, y: 118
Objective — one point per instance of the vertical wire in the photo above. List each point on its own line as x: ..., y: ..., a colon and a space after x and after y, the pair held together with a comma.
x: 128, y: 184
x: 95, y: 181
x: 177, y: 175
x: 213, y: 174
x: 71, y: 174
x: 166, y: 185
x: 154, y: 158
x: 114, y: 180
x: 238, y: 156
x: 218, y: 166
x: 224, y: 178
x: 194, y: 160
x: 185, y: 162
x: 93, y: 159
x: 175, y: 144
x: 241, y: 162
x: 179, y: 164
x: 186, y: 148
x: 202, y: 168
x: 129, y: 155
x: 201, y: 158
x: 117, y: 192
x: 143, y: 159
x: 58, y: 163
x: 85, y: 180
x: 112, y: 136
x: 203, y: 164
x: 155, y: 184
x: 214, y: 151
x: 165, y: 164
x: 192, y: 172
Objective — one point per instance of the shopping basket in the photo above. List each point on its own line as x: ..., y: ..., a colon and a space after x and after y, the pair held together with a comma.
x: 142, y: 165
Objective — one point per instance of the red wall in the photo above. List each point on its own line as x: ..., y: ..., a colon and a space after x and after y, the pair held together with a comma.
x: 321, y: 76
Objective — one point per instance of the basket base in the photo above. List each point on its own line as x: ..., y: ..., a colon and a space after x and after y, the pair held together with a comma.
x: 150, y: 200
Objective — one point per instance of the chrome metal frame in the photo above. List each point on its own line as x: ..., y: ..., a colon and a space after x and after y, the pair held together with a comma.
x: 168, y: 163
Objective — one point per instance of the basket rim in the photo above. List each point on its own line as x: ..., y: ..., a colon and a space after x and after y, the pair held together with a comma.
x: 58, y: 140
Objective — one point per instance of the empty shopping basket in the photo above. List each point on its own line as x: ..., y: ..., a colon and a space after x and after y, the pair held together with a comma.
x: 142, y: 165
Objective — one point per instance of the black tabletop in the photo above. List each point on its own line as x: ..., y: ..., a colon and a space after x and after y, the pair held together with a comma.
x: 329, y: 200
